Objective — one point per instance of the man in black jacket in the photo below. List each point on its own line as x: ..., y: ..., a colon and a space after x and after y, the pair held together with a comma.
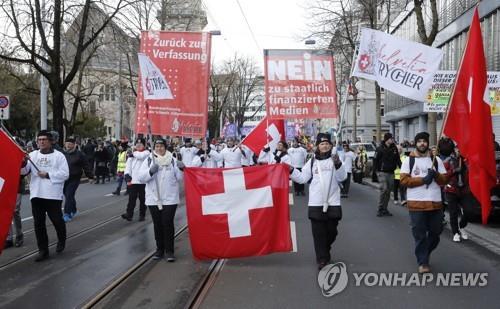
x: 77, y: 163
x: 386, y: 161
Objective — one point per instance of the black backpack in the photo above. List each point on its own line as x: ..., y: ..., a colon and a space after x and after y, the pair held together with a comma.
x: 412, y: 163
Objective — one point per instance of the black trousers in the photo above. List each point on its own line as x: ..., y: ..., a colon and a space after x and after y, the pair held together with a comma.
x: 163, y: 223
x: 40, y: 207
x: 396, y: 189
x: 136, y: 191
x: 298, y: 187
x: 346, y: 184
x: 455, y: 204
x: 324, y: 234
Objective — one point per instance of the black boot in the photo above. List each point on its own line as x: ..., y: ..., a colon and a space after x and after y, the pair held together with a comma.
x: 42, y: 255
x: 60, y: 246
x: 19, y: 241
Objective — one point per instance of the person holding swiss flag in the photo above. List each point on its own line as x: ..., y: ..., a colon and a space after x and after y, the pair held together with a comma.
x: 49, y: 170
x: 325, y: 212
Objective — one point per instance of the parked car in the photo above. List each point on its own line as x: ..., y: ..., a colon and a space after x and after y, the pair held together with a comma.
x: 369, y: 148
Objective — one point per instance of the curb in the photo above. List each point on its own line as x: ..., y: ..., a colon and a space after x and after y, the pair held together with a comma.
x: 480, y: 235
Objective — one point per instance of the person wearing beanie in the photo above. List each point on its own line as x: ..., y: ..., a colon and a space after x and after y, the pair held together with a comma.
x: 77, y: 164
x: 136, y: 188
x: 280, y: 155
x: 298, y: 156
x: 206, y: 156
x: 49, y: 170
x: 457, y: 188
x: 161, y: 174
x: 326, y: 172
x: 120, y: 167
x: 386, y: 161
x: 423, y: 175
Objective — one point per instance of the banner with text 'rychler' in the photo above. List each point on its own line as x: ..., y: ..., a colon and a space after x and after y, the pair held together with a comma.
x: 174, y: 92
x: 300, y: 84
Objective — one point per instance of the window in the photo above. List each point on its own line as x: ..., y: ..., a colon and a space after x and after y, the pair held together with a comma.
x: 107, y: 93
x: 113, y: 97
x: 101, y: 93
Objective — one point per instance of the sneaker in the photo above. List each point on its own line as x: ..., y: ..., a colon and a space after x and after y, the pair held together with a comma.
x: 115, y: 192
x: 158, y: 255
x: 126, y: 217
x: 396, y: 202
x: 42, y: 255
x: 170, y: 257
x: 423, y: 269
x: 67, y: 217
x: 464, y: 235
x: 73, y: 214
x: 403, y: 203
x: 456, y: 237
x: 19, y: 241
x: 60, y: 246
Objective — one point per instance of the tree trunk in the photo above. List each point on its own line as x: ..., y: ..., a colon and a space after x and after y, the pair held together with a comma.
x: 432, y: 128
x: 57, y: 112
x: 378, y: 106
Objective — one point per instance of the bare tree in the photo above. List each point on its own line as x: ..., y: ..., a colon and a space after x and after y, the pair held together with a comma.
x: 36, y: 37
x: 427, y: 37
x: 221, y: 83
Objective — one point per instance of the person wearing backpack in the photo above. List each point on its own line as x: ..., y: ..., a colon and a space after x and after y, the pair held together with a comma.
x: 423, y: 175
x: 161, y: 174
x: 326, y: 172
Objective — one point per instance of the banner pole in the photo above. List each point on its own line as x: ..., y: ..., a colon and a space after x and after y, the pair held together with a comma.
x: 150, y: 135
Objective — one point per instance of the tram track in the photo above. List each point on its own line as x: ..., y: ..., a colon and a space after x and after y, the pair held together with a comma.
x: 76, y: 234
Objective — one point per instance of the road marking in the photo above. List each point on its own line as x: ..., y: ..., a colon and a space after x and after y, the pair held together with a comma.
x: 293, y: 232
x: 111, y: 194
x: 26, y: 219
x: 290, y: 199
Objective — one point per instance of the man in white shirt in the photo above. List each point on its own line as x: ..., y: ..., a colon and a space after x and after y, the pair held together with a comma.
x: 188, y: 152
x: 348, y: 157
x: 231, y: 155
x: 49, y: 170
x: 423, y: 175
x: 298, y: 155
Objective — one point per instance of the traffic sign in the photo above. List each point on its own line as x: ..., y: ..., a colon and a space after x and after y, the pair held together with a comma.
x: 4, y: 107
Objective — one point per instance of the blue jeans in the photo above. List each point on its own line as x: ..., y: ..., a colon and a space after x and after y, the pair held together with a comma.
x: 426, y: 226
x: 70, y: 187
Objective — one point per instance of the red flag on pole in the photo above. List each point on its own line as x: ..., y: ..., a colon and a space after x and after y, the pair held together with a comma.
x: 238, y: 212
x: 267, y: 132
x: 468, y: 121
x: 10, y: 170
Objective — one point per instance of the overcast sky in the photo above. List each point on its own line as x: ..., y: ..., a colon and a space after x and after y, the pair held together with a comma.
x: 275, y: 24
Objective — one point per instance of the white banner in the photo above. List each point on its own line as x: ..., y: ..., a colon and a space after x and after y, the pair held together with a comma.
x: 154, y: 84
x: 403, y: 67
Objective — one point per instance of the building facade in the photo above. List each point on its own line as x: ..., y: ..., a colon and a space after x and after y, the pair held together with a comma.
x: 406, y: 117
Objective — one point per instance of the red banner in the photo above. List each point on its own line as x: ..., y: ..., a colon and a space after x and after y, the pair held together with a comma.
x: 183, y: 59
x: 10, y: 171
x: 238, y: 212
x: 300, y: 84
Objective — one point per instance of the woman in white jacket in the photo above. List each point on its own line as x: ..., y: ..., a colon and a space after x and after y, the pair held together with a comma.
x: 162, y: 174
x: 324, y: 211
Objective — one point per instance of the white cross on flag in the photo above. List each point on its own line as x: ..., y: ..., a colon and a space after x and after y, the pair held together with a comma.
x: 267, y: 133
x: 238, y: 212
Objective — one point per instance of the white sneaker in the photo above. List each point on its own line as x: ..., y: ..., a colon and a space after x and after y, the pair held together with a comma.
x: 464, y: 235
x: 396, y: 202
x: 456, y: 237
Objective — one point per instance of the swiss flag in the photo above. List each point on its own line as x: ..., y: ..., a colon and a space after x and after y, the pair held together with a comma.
x: 267, y: 132
x: 238, y: 212
x: 10, y: 171
x: 468, y: 120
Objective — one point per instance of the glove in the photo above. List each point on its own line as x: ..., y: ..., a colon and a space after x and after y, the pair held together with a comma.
x: 277, y: 159
x: 267, y: 149
x: 180, y: 165
x: 130, y: 154
x: 429, y: 177
x: 153, y: 169
x: 127, y: 178
x: 336, y: 161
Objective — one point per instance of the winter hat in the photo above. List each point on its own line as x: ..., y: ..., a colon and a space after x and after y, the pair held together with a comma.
x: 161, y: 141
x: 141, y: 140
x: 387, y: 136
x: 422, y: 135
x: 323, y: 137
x: 70, y: 140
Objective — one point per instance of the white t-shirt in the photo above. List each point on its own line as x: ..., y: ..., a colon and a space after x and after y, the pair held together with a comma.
x: 348, y: 160
x: 298, y: 156
x: 423, y: 193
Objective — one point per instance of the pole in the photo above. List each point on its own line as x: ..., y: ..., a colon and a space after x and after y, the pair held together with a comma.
x: 43, y: 84
x: 118, y: 127
x: 150, y: 137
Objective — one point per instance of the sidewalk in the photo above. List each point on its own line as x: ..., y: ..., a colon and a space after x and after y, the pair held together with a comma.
x: 487, y: 236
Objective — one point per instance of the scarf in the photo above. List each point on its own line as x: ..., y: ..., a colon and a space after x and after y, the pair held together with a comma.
x: 164, y: 160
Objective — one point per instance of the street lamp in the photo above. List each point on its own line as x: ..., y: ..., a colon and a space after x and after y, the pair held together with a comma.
x: 310, y: 42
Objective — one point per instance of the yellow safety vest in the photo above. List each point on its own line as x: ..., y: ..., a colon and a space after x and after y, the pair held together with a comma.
x: 397, y: 171
x: 122, y: 161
